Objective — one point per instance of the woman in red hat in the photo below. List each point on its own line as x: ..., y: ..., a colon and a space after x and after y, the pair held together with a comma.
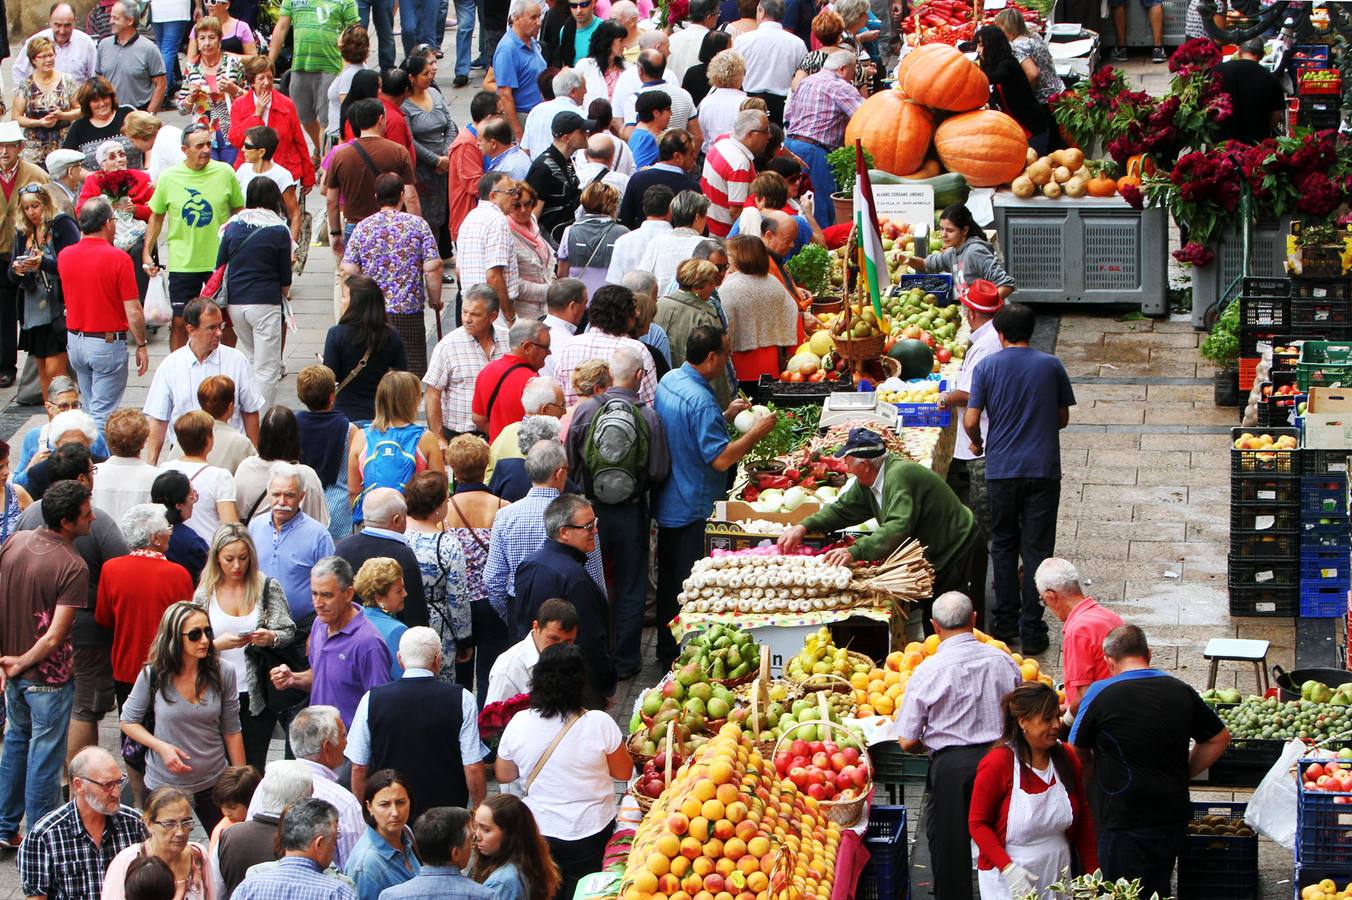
x: 966, y: 252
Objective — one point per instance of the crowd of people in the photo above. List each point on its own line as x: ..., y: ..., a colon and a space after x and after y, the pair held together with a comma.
x: 436, y: 527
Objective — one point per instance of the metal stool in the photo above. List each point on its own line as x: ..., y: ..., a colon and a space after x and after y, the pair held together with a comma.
x: 1236, y: 650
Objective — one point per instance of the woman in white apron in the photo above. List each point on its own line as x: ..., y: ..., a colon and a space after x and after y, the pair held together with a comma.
x: 1030, y: 785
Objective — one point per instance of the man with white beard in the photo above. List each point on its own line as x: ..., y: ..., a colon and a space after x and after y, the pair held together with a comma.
x: 289, y: 543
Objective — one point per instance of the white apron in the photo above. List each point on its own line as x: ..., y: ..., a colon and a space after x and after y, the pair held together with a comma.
x: 1035, y: 837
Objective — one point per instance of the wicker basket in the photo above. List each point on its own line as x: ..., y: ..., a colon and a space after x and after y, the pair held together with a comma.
x: 861, y: 348
x: 845, y: 813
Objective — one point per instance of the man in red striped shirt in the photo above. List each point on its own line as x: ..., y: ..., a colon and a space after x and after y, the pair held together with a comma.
x: 730, y: 166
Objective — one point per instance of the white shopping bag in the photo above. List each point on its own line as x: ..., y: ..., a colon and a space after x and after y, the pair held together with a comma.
x: 157, y: 307
x: 1272, y: 808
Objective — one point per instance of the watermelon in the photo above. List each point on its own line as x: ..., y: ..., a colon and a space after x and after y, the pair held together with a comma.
x: 916, y: 358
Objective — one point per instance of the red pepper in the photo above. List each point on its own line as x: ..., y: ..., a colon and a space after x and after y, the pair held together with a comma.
x: 750, y: 494
x: 778, y: 482
x: 808, y: 483
x: 791, y: 474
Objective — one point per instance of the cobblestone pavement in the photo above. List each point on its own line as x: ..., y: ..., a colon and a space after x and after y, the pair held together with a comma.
x: 1144, y: 501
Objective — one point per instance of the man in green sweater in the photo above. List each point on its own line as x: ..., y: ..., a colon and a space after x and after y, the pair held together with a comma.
x: 909, y: 501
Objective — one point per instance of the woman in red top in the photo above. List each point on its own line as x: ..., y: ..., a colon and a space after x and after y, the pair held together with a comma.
x: 1029, y: 817
x: 264, y: 106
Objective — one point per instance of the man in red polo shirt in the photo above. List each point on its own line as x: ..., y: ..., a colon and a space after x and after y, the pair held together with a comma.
x: 497, y: 390
x: 1085, y: 625
x: 102, y: 308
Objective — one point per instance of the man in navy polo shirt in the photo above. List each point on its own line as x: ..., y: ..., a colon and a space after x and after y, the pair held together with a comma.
x: 701, y: 454
x: 518, y: 62
x: 1027, y: 397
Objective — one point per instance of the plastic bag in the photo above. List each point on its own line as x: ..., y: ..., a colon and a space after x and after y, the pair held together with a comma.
x: 157, y: 307
x: 1272, y: 808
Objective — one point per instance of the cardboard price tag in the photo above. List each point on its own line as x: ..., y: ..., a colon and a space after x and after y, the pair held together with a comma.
x: 910, y: 203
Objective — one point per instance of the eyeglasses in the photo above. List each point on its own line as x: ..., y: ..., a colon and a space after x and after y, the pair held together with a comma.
x: 585, y: 526
x: 109, y: 786
x: 759, y: 131
x: 175, y: 824
x: 522, y: 204
x: 219, y: 326
x: 513, y: 192
x: 538, y: 345
x: 68, y: 405
x: 554, y: 404
x: 196, y: 634
x: 248, y: 147
x: 583, y: 5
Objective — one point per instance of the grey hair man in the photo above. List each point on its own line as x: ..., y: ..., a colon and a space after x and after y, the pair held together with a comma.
x: 309, y: 835
x: 52, y: 858
x: 570, y: 89
x: 496, y: 406
x: 306, y: 541
x: 359, y: 661
x: 598, y: 161
x: 566, y: 304
x: 424, y: 728
x: 1084, y: 626
x: 131, y: 61
x: 456, y: 362
x: 485, y: 254
x: 285, y: 781
x: 622, y: 516
x: 557, y: 570
x: 730, y: 164
x: 517, y: 99
x: 956, y: 710
x: 689, y: 217
x: 386, y: 517
x: 1142, y: 720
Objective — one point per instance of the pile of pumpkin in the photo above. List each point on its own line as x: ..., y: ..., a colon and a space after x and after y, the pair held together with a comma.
x: 937, y: 83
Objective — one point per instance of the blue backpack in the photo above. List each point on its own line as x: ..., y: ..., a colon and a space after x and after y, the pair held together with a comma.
x: 390, y: 460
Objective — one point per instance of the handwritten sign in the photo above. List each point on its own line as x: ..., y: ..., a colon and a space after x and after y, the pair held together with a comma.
x: 912, y: 203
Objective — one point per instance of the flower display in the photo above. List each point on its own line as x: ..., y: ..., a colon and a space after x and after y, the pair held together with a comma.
x: 116, y: 185
x: 495, y: 717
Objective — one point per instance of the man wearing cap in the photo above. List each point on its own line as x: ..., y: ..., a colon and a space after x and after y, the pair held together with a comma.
x: 967, y: 472
x: 909, y: 501
x: 14, y: 174
x: 67, y: 171
x: 553, y: 177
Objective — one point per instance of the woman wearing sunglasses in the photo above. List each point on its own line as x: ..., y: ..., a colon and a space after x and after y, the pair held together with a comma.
x: 168, y: 818
x: 192, y: 705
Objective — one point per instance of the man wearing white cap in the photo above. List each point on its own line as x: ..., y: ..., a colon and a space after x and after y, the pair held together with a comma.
x: 67, y: 171
x: 967, y: 472
x: 14, y: 174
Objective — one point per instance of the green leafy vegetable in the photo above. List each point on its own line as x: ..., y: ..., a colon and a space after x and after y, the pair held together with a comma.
x: 811, y: 268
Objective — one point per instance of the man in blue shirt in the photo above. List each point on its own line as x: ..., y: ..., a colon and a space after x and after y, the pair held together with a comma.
x: 289, y: 542
x: 518, y: 62
x: 308, y: 839
x: 654, y: 112
x: 1026, y: 396
x: 701, y: 454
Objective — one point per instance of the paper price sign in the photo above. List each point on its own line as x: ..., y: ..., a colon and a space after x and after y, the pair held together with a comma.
x: 910, y: 203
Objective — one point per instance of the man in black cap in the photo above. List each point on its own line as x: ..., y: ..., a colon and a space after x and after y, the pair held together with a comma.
x: 553, y: 177
x: 909, y: 501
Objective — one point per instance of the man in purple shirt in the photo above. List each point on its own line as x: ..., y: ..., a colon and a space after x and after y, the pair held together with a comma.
x: 952, y: 709
x: 348, y: 656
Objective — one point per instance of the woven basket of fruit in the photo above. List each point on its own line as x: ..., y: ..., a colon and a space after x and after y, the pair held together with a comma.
x: 870, y: 347
x: 845, y: 808
x: 655, y: 775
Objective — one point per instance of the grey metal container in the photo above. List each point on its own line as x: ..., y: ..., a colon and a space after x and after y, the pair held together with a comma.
x: 1084, y: 250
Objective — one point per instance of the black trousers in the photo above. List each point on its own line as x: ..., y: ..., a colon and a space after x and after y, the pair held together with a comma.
x: 578, y: 859
x: 677, y: 550
x: 966, y: 573
x: 1147, y: 853
x: 257, y: 732
x: 490, y: 639
x: 948, y: 796
x: 1023, y: 526
x: 9, y: 322
x: 776, y: 104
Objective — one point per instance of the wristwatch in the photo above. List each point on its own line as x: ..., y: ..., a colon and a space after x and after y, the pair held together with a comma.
x: 335, y: 233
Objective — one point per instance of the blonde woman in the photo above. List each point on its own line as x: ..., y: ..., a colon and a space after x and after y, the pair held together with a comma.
x: 398, y: 397
x: 246, y: 609
x: 380, y: 585
x: 40, y: 233
x: 44, y: 104
x: 719, y: 108
x: 168, y: 819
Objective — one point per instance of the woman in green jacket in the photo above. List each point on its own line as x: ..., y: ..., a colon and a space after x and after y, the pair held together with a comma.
x: 683, y: 310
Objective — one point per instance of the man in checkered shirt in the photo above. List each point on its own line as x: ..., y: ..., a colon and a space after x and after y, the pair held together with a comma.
x: 67, y: 852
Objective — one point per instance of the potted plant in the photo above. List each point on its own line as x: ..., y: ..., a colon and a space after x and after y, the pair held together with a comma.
x: 1319, y: 249
x: 842, y: 163
x: 1221, y: 347
x: 811, y: 269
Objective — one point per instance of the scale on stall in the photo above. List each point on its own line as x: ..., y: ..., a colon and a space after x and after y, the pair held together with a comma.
x: 856, y: 406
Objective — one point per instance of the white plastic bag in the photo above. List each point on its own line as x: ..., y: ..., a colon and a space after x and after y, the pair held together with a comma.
x: 157, y: 307
x: 1272, y: 808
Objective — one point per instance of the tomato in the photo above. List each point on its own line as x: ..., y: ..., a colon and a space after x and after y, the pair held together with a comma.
x: 796, y: 377
x: 785, y: 376
x: 816, y: 376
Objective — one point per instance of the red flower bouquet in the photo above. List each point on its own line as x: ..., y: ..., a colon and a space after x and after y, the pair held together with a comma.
x: 115, y: 185
x: 495, y: 717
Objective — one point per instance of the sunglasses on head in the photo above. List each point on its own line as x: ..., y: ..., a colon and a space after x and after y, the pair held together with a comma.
x: 31, y: 189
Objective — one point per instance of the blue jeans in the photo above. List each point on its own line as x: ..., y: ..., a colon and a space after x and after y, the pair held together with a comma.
x: 169, y: 37
x: 823, y: 181
x: 418, y: 23
x: 464, y: 35
x: 443, y: 7
x: 623, y: 531
x: 383, y: 13
x: 35, y: 751
x: 101, y: 369
x: 1023, y: 524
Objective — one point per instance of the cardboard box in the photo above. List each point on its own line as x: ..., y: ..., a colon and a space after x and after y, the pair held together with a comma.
x: 723, y: 533
x: 1328, y: 419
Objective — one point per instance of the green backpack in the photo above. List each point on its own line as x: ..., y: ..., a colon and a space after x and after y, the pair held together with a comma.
x: 616, y: 452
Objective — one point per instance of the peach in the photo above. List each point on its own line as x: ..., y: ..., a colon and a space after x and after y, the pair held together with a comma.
x: 691, y: 848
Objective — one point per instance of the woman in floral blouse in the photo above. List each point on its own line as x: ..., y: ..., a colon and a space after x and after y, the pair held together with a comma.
x: 44, y: 104
x: 442, y: 564
x: 210, y: 85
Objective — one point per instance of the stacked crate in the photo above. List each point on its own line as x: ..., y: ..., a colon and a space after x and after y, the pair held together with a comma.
x: 1264, y: 313
x: 1264, y: 561
x: 1319, y: 103
x: 1325, y: 534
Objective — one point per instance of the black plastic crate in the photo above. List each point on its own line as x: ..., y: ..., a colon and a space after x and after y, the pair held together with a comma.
x: 1264, y: 602
x: 1266, y: 461
x: 1265, y: 520
x: 1321, y: 289
x: 892, y: 766
x: 886, y: 876
x: 1320, y: 314
x: 1325, y: 462
x: 1218, y: 866
x: 1263, y: 573
x: 1285, y: 353
x: 1264, y: 286
x: 1249, y: 341
x: 1266, y: 492
x: 1261, y: 545
x: 797, y: 393
x: 1264, y: 313
x: 1244, y: 763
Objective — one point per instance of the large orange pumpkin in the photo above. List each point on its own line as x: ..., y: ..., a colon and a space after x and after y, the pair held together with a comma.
x: 942, y: 78
x: 987, y: 147
x: 896, y: 131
